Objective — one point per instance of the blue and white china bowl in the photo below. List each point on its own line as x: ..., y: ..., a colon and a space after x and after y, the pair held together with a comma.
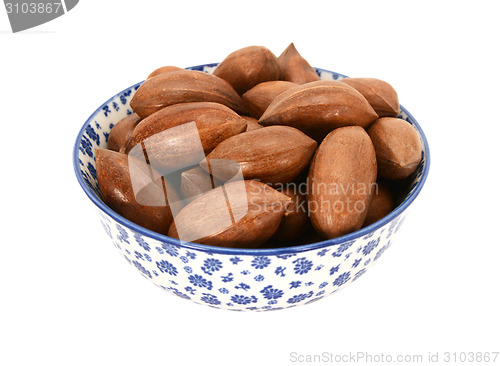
x: 229, y: 278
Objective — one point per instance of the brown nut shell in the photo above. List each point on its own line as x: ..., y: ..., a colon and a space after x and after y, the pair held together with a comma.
x: 380, y: 94
x: 241, y: 214
x: 319, y: 107
x: 172, y: 136
x: 183, y: 86
x: 195, y: 182
x: 295, y: 68
x: 341, y: 182
x: 398, y: 147
x: 147, y: 206
x: 381, y: 205
x: 121, y: 132
x: 274, y: 155
x: 295, y: 221
x: 261, y: 95
x: 247, y: 67
x: 252, y: 123
x: 163, y: 70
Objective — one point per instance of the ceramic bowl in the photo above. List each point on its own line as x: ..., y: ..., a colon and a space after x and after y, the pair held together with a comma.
x: 229, y: 278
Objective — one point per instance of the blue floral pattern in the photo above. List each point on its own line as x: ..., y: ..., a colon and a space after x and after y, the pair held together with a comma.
x: 271, y: 293
x: 298, y: 298
x: 170, y: 249
x: 211, y: 265
x: 243, y: 300
x: 199, y: 281
x: 210, y: 299
x: 235, y: 280
x: 166, y: 267
x: 141, y: 269
x: 341, y: 279
x: 372, y: 244
x: 260, y: 262
x: 269, y: 287
x: 302, y: 266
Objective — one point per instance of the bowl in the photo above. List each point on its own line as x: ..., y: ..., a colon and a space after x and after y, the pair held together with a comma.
x: 230, y: 278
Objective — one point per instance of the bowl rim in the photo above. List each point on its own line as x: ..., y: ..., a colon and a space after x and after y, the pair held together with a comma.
x: 241, y: 251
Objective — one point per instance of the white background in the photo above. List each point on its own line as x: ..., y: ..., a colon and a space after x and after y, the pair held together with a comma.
x: 68, y: 298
